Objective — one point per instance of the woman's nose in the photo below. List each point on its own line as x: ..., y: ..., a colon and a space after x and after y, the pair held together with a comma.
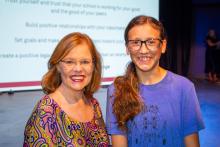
x: 77, y: 67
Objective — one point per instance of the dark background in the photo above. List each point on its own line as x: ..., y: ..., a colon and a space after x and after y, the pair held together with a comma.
x: 187, y: 23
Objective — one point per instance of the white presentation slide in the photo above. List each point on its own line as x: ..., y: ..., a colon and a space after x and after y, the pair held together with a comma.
x: 30, y: 30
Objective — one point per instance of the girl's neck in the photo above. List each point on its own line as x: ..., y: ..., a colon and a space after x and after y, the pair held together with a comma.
x: 152, y: 77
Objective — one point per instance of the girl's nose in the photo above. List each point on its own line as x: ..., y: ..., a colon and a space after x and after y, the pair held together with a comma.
x: 143, y: 48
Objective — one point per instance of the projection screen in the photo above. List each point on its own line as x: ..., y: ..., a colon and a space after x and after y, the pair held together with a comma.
x: 30, y: 30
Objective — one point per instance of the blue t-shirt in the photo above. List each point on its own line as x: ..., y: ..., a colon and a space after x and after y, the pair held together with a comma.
x: 171, y: 112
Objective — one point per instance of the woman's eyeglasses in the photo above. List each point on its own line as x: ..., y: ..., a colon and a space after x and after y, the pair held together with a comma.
x: 72, y: 63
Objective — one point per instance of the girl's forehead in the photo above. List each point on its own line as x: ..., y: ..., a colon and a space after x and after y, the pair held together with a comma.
x: 146, y: 30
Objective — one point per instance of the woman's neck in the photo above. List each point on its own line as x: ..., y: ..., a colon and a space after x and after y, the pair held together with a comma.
x: 69, y: 96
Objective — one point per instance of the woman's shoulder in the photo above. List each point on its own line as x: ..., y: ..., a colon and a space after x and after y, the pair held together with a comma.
x: 45, y: 105
x: 45, y: 102
x: 97, y: 108
x: 43, y: 108
x: 94, y: 101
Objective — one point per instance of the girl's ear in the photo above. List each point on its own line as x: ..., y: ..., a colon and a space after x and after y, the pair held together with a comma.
x: 164, y: 46
x: 127, y: 50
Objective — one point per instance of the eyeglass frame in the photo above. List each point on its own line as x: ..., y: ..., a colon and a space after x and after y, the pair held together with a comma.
x: 146, y: 43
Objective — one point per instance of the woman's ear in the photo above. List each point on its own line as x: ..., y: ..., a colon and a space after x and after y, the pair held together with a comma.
x: 58, y: 67
x: 164, y: 46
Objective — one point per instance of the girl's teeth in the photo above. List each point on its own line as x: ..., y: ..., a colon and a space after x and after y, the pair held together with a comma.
x: 144, y: 58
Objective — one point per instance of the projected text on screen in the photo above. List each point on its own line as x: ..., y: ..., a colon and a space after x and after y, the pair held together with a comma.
x: 30, y: 30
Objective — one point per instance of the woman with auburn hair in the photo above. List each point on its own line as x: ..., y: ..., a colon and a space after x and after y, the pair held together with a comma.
x: 68, y: 115
x: 150, y: 106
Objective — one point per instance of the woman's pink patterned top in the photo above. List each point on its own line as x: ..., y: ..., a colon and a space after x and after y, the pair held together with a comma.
x: 49, y: 126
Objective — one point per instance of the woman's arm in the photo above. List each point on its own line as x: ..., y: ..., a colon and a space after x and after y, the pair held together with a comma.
x: 210, y: 43
x: 119, y: 141
x: 192, y: 140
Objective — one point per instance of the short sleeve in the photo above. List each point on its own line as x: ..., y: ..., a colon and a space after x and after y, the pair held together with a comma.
x: 111, y: 122
x: 192, y: 117
x: 40, y: 128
